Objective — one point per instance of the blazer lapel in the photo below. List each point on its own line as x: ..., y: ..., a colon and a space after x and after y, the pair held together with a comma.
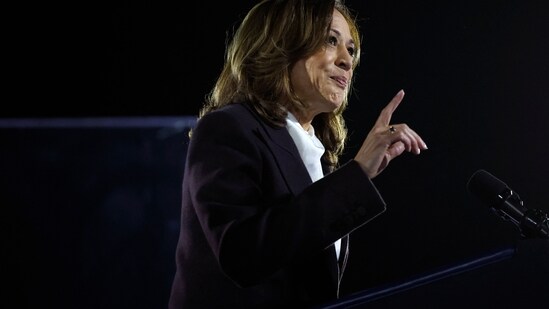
x: 297, y: 178
x: 287, y: 157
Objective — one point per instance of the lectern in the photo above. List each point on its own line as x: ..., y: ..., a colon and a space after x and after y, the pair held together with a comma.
x: 512, y: 277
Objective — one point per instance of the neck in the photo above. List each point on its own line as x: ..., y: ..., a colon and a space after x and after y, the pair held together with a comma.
x: 304, y: 118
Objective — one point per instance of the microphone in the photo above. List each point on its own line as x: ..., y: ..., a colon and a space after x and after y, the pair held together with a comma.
x: 533, y: 223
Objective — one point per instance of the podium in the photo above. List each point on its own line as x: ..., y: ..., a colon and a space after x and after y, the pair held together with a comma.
x: 512, y: 277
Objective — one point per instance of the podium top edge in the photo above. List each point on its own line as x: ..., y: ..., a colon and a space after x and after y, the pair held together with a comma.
x: 99, y: 122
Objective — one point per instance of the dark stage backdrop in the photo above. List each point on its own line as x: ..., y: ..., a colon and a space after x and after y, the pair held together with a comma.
x: 475, y: 74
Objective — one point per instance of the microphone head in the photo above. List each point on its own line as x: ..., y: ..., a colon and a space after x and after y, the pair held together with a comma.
x: 486, y: 187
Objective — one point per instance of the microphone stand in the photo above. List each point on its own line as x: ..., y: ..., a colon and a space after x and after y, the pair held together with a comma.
x: 533, y: 223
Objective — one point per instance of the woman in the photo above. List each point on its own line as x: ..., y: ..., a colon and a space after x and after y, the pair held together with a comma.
x: 267, y: 207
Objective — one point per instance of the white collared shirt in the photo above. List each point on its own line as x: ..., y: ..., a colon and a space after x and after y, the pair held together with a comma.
x: 310, y: 150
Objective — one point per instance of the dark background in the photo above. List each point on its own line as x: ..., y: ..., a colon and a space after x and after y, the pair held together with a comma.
x: 475, y: 74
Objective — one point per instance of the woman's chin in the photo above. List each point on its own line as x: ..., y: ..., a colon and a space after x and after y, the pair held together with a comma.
x: 335, y: 104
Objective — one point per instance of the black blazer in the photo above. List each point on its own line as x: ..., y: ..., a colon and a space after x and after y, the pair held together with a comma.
x: 255, y: 232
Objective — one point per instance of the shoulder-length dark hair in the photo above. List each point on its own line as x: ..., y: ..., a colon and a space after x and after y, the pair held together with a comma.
x: 272, y: 37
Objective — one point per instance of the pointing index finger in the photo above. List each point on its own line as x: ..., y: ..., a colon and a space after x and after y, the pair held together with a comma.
x: 385, y: 116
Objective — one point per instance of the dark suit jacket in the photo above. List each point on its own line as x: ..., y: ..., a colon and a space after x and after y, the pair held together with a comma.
x: 255, y: 233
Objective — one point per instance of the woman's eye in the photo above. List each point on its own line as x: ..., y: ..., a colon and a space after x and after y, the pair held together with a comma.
x: 332, y: 40
x: 351, y: 51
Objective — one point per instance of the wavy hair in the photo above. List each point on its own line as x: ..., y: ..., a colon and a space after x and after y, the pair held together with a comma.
x: 271, y: 38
